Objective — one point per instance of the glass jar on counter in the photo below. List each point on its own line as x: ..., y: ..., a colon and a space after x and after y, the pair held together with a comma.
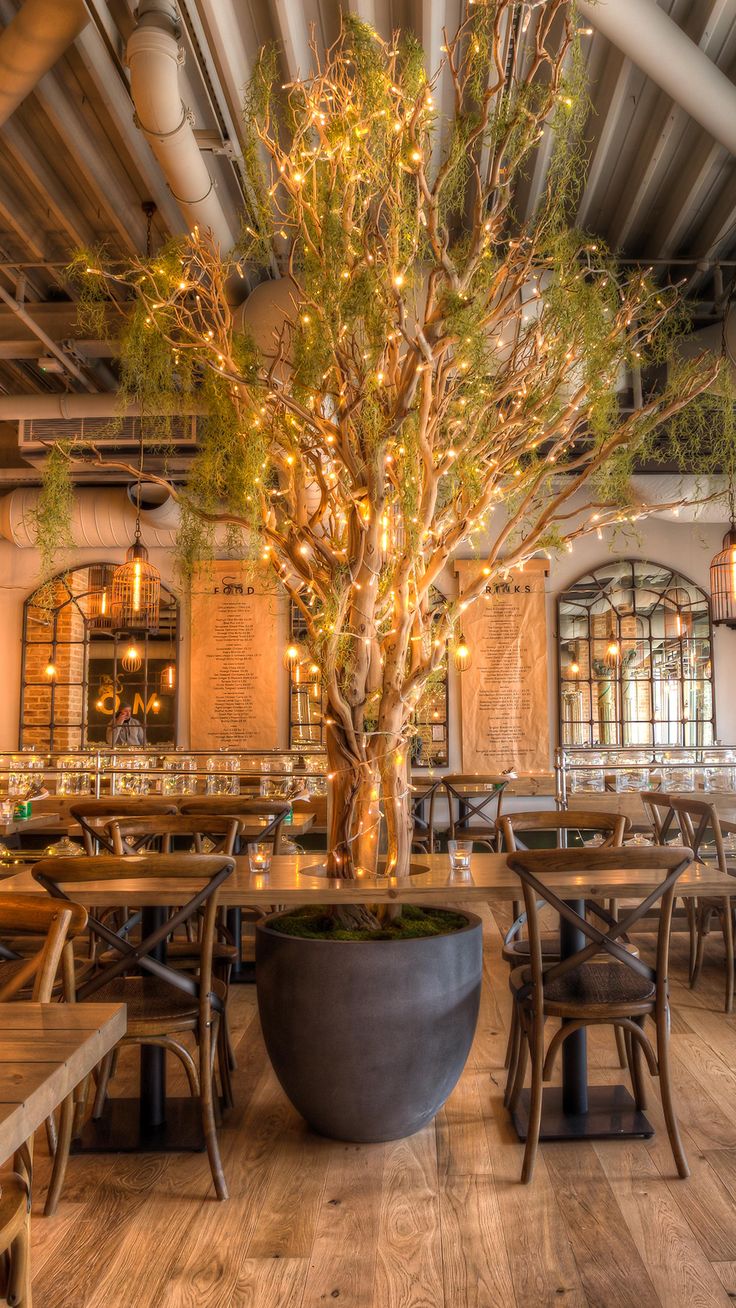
x: 179, y: 775
x: 223, y: 776
x: 74, y: 778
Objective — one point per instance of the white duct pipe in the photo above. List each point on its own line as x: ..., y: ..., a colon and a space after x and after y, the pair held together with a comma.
x: 13, y: 408
x: 154, y: 57
x: 103, y: 518
x: 31, y: 44
x: 650, y: 38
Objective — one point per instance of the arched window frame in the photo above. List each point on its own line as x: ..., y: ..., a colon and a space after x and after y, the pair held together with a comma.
x: 55, y: 643
x: 584, y: 648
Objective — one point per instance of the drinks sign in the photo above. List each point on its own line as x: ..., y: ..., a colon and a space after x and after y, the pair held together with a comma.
x: 238, y: 628
x: 505, y: 711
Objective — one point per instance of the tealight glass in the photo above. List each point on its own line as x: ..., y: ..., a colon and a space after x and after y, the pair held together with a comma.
x: 259, y: 856
x: 460, y: 852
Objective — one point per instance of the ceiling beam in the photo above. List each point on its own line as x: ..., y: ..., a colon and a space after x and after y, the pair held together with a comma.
x: 671, y: 124
x: 64, y: 359
x: 616, y: 84
x: 293, y: 31
x: 42, y: 178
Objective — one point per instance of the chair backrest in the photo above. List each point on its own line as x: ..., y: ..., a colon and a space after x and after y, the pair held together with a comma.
x: 536, y: 871
x: 660, y: 811
x: 92, y: 815
x: 201, y: 873
x: 424, y: 791
x: 156, y: 834
x: 32, y: 915
x: 560, y: 823
x: 272, y: 810
x: 469, y: 806
x: 701, y: 825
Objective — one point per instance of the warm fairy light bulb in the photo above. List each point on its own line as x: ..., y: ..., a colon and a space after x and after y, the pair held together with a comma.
x: 137, y: 586
x: 50, y: 671
x: 574, y: 668
x: 461, y: 655
x: 291, y: 657
x: 612, y: 654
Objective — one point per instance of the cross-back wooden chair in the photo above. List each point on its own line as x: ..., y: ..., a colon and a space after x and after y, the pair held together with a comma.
x: 205, y: 833
x: 163, y: 1002
x: 701, y: 830
x: 590, y: 989
x: 247, y: 811
x: 93, y: 814
x: 424, y: 828
x: 658, y: 809
x: 470, y: 812
x: 31, y: 974
x: 561, y: 825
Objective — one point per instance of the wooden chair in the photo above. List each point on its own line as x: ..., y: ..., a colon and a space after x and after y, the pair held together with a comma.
x: 92, y: 814
x: 31, y: 974
x: 470, y: 812
x: 588, y: 989
x: 424, y: 828
x: 235, y: 806
x: 208, y: 834
x: 560, y: 825
x: 163, y: 1003
x: 659, y: 810
x: 701, y: 825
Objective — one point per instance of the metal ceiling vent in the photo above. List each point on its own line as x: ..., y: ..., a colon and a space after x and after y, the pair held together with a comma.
x: 34, y: 434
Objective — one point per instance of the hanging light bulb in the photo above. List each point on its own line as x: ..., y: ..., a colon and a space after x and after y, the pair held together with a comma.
x: 291, y: 657
x: 136, y: 584
x: 573, y: 669
x: 98, y: 605
x: 461, y: 655
x: 723, y: 577
x: 50, y: 670
x: 167, y: 680
x: 612, y: 654
x: 131, y: 660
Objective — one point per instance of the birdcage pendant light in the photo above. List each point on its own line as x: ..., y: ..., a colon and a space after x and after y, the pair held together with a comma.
x: 723, y: 575
x: 136, y: 589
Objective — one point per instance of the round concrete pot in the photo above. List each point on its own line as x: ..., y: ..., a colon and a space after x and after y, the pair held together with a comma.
x: 368, y: 1038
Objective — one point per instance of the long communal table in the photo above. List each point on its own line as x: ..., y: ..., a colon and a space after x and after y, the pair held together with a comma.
x: 610, y: 1111
x: 45, y: 1051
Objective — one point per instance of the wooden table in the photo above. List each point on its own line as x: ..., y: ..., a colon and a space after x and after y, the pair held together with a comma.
x: 292, y: 881
x: 36, y: 822
x: 45, y: 1051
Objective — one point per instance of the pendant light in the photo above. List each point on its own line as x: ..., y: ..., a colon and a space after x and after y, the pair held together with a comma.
x: 167, y: 680
x: 136, y: 584
x: 132, y: 660
x: 723, y: 574
x: 461, y: 656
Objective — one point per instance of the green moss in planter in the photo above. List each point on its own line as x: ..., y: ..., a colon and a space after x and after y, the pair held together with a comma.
x: 315, y: 923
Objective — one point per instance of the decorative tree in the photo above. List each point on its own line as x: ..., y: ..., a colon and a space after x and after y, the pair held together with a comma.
x: 445, y: 374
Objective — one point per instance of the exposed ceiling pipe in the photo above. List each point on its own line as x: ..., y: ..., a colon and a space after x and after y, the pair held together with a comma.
x: 154, y: 57
x: 50, y: 344
x: 102, y: 518
x: 32, y: 43
x: 654, y: 42
x: 14, y: 408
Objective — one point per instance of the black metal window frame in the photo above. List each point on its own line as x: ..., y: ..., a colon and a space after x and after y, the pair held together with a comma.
x: 118, y: 638
x: 674, y: 580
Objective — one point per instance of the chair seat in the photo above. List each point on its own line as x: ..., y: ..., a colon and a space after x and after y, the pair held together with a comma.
x: 178, y: 951
x: 517, y: 951
x: 154, y: 1006
x: 609, y: 986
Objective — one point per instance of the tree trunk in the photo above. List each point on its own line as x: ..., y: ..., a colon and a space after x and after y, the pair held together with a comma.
x: 355, y: 811
x: 396, y: 804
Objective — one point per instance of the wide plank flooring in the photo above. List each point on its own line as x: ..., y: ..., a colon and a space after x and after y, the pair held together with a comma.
x: 436, y: 1221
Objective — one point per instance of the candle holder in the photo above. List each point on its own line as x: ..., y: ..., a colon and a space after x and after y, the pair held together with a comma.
x: 259, y: 856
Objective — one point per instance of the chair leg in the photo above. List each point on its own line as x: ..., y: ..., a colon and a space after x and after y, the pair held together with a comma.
x: 206, y: 1097
x: 223, y: 1064
x: 690, y: 910
x: 510, y: 1043
x: 19, y: 1279
x: 699, y: 951
x: 517, y: 1071
x: 61, y: 1157
x: 637, y: 1075
x: 51, y: 1134
x: 516, y: 1037
x: 103, y: 1081
x: 81, y: 1095
x: 623, y: 1060
x: 535, y: 1101
x: 665, y: 1088
x: 727, y: 925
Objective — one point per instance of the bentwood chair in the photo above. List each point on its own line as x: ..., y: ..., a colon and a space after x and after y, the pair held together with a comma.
x: 590, y: 989
x: 92, y: 815
x: 252, y: 814
x: 163, y: 1003
x: 31, y: 973
x: 666, y: 826
x: 701, y: 828
x: 561, y: 828
x: 423, y: 803
x: 470, y: 800
x: 205, y: 834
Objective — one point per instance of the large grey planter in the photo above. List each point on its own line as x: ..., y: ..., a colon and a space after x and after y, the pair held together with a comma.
x: 368, y: 1038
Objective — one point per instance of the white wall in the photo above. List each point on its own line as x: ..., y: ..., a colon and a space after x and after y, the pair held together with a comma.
x: 686, y: 546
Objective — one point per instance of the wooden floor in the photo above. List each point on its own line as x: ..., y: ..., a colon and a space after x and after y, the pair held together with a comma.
x: 435, y: 1221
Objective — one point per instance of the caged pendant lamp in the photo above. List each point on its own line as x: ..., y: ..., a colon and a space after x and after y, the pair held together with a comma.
x: 723, y: 575
x: 136, y: 585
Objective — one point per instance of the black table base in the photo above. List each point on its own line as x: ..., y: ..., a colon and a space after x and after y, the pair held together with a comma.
x: 611, y: 1114
x: 122, y: 1129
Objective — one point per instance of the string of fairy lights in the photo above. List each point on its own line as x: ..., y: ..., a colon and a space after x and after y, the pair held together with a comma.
x: 414, y: 404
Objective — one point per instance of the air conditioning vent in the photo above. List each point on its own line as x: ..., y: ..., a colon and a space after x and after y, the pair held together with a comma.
x: 107, y: 433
